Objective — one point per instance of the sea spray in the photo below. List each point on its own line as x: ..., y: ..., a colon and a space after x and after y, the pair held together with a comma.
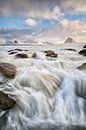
x: 45, y: 96
x: 70, y: 103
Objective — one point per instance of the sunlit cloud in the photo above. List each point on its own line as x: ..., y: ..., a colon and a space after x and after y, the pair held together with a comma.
x: 31, y: 22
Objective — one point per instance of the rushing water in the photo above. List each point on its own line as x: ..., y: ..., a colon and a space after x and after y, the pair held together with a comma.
x: 49, y: 95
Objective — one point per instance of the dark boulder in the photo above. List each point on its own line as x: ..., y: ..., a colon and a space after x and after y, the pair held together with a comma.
x: 10, y: 50
x: 15, y: 41
x: 34, y: 55
x: 6, y: 102
x: 82, y: 67
x: 51, y: 53
x: 11, y: 53
x: 70, y: 49
x: 83, y: 52
x: 84, y: 46
x: 17, y: 49
x: 8, y: 70
x: 21, y: 55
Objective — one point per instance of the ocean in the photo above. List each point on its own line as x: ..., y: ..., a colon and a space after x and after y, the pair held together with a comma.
x: 50, y: 92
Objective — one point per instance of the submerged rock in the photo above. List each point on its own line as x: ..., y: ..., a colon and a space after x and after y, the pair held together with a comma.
x: 25, y: 50
x: 5, y: 101
x: 10, y: 50
x: 11, y: 53
x: 17, y: 49
x: 70, y: 49
x: 82, y: 67
x: 51, y: 53
x: 21, y: 55
x: 8, y: 70
x: 83, y: 52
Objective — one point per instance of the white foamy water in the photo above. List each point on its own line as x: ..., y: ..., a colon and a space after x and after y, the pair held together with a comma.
x: 46, y: 90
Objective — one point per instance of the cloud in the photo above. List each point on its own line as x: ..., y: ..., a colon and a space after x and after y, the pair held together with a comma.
x: 45, y: 9
x: 67, y: 28
x: 76, y: 25
x: 56, y: 13
x: 12, y: 33
x: 76, y: 29
x: 73, y: 6
x: 31, y: 22
x: 36, y: 10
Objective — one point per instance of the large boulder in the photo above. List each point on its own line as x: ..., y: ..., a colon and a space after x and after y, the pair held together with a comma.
x: 82, y: 67
x: 84, y: 46
x: 21, y: 55
x: 51, y: 53
x: 83, y: 52
x: 8, y: 70
x: 69, y: 40
x: 6, y: 102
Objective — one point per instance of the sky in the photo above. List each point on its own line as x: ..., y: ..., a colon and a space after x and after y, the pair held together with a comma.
x: 43, y: 19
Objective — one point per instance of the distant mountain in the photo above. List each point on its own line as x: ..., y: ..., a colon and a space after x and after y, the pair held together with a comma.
x: 70, y: 40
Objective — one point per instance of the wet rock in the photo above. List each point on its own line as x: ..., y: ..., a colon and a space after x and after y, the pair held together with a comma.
x: 51, y: 53
x: 10, y: 50
x: 6, y: 102
x: 84, y: 46
x: 16, y: 41
x: 70, y: 49
x: 34, y: 55
x: 25, y: 50
x: 70, y: 40
x: 83, y: 52
x: 21, y: 55
x: 11, y: 53
x: 8, y: 70
x: 17, y: 49
x: 82, y: 67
